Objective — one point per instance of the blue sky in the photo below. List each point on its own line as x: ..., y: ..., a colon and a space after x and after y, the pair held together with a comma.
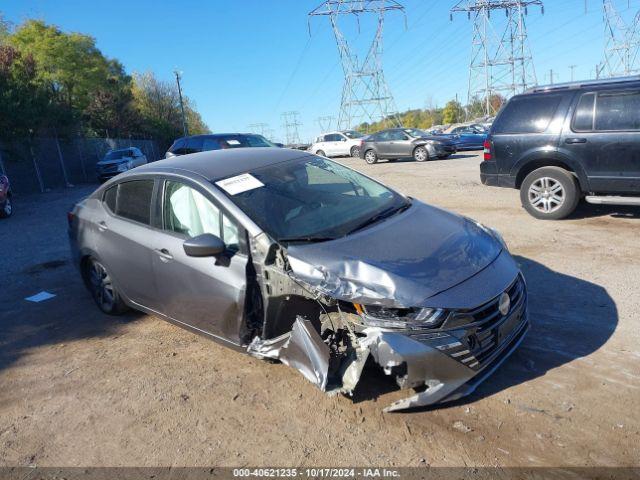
x: 246, y: 62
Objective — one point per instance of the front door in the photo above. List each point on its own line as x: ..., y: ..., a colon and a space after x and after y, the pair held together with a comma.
x: 204, y: 293
x: 606, y: 140
x: 401, y: 144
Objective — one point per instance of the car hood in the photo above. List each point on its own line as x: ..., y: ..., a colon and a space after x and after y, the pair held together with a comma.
x: 400, y: 262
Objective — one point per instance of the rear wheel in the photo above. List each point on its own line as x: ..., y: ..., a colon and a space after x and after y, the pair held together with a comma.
x: 355, y: 151
x: 370, y: 157
x: 550, y: 193
x: 7, y: 209
x: 420, y: 154
x: 104, y: 293
x: 321, y: 153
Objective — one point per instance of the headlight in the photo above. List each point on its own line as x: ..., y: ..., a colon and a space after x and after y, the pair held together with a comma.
x: 412, y: 318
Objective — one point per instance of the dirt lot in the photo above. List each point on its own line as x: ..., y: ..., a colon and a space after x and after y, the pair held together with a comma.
x: 78, y: 388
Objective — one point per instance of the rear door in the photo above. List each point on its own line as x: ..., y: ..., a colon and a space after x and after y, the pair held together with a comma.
x: 123, y: 240
x: 383, y: 141
x: 527, y: 123
x: 604, y: 135
x: 204, y: 293
x: 332, y: 144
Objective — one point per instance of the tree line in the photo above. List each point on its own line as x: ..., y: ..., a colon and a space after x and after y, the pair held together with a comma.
x: 452, y: 112
x: 58, y: 83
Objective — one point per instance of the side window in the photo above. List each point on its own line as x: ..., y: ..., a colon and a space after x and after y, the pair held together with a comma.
x: 618, y: 111
x: 583, y: 116
x: 134, y: 200
x: 109, y: 198
x: 188, y: 212
x: 527, y: 114
x: 332, y: 138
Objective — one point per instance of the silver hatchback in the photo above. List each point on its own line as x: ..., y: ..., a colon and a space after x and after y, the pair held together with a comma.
x: 289, y: 256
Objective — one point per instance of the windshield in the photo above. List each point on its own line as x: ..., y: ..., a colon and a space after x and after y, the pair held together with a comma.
x: 117, y: 154
x: 234, y: 141
x: 313, y: 198
x: 414, y: 132
x: 353, y: 134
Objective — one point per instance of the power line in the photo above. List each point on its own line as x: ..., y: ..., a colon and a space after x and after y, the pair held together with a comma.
x: 291, y: 123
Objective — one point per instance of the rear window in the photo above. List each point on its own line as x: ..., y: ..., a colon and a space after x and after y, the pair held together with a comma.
x: 618, y: 111
x: 134, y: 200
x: 528, y: 114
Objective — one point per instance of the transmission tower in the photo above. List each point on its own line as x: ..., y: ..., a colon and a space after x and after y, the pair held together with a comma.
x: 501, y: 61
x: 365, y: 94
x: 622, y: 41
x: 260, y: 128
x: 290, y: 124
x: 325, y: 123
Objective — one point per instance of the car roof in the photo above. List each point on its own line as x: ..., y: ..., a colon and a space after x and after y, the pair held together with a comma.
x: 218, y: 164
x: 615, y: 82
x: 214, y: 135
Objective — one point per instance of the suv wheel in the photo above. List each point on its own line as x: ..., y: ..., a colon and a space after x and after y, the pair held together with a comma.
x: 104, y: 293
x: 549, y: 193
x: 7, y: 209
x: 370, y: 157
x: 420, y: 154
x: 355, y: 151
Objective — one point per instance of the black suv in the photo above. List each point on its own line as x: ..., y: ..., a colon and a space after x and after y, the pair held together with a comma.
x: 216, y: 141
x: 561, y: 142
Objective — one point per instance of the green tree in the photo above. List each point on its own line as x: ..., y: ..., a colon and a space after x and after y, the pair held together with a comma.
x: 453, y: 112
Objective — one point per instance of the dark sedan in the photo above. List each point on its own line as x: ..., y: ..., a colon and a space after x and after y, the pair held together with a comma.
x: 413, y: 143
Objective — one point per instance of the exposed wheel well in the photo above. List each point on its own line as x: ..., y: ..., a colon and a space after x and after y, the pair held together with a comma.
x: 536, y: 164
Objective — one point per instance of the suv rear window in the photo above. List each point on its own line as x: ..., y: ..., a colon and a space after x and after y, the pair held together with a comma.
x: 134, y: 200
x: 618, y: 111
x: 527, y: 114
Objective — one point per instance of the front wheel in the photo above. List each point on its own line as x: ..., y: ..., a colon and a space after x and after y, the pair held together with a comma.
x: 7, y: 209
x: 550, y: 193
x: 371, y: 157
x: 102, y: 290
x: 420, y: 154
x: 355, y: 151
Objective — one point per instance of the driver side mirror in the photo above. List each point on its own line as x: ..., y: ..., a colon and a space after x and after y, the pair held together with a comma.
x: 205, y: 245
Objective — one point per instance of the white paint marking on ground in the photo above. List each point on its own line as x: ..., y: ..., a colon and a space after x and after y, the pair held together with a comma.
x: 40, y: 297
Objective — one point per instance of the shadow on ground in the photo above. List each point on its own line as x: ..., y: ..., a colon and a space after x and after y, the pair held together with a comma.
x: 570, y: 318
x: 586, y: 210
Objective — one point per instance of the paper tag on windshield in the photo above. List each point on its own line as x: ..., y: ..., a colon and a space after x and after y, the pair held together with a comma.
x: 239, y: 184
x: 233, y: 142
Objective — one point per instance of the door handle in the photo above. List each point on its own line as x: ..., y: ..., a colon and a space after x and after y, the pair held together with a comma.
x: 572, y: 141
x: 164, y: 254
x: 102, y: 226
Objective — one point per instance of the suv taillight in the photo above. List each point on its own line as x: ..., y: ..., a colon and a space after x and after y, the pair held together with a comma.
x: 487, y: 150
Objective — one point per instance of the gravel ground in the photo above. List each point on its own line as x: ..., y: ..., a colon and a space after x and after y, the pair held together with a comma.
x: 78, y: 388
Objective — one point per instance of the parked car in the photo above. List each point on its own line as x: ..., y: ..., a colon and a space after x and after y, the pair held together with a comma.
x: 6, y: 206
x: 467, y: 137
x: 287, y: 255
x: 396, y: 143
x: 217, y: 141
x: 116, y: 162
x: 563, y: 142
x: 338, y: 144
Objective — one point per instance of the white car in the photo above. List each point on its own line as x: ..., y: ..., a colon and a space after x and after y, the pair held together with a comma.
x: 336, y: 144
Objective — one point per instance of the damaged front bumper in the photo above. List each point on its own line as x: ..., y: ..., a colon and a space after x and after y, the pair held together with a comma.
x: 442, y: 365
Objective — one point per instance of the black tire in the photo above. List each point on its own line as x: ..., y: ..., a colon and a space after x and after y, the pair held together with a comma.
x: 371, y: 157
x: 321, y: 153
x: 421, y: 154
x: 355, y: 151
x: 102, y: 290
x: 550, y: 193
x: 7, y: 208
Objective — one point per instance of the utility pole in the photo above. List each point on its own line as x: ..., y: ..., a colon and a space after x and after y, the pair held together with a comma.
x: 365, y: 93
x: 551, y: 76
x: 622, y: 41
x: 291, y: 124
x: 184, y: 120
x: 572, y: 68
x: 501, y: 61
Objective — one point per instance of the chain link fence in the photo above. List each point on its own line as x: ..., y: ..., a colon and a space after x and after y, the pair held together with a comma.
x: 40, y: 164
